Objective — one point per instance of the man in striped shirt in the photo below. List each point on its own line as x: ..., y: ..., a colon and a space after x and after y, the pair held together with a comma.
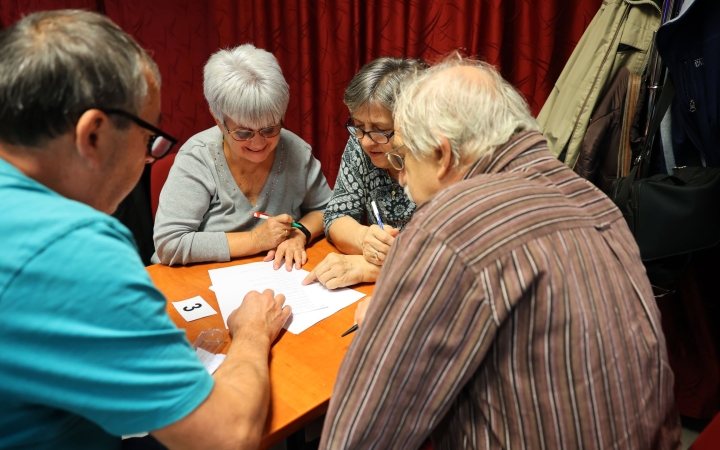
x: 514, y: 310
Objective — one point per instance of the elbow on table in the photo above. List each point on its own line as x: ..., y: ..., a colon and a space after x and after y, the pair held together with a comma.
x: 170, y: 252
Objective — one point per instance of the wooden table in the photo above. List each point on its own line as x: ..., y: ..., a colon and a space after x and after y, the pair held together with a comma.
x: 303, y: 367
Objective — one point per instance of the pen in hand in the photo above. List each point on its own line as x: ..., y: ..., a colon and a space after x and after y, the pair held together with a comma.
x: 353, y: 328
x: 377, y: 216
x: 359, y: 316
x: 264, y: 216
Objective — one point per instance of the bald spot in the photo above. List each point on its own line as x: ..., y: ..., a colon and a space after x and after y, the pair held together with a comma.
x: 465, y: 73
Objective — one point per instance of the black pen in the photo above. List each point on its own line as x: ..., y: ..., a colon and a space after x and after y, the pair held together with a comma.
x: 353, y: 328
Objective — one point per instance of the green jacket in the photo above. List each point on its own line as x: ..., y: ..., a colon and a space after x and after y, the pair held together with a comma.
x: 619, y: 35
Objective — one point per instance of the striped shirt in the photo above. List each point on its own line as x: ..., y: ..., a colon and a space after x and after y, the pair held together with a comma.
x: 513, y: 312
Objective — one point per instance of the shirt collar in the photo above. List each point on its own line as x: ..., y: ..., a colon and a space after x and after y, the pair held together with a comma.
x: 499, y: 159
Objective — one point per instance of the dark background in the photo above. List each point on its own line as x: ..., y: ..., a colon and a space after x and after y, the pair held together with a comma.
x: 321, y: 44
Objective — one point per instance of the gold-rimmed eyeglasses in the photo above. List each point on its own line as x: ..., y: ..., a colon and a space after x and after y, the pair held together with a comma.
x: 246, y: 135
x: 396, y: 161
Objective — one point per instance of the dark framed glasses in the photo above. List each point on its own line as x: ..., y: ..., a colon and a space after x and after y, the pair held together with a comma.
x: 396, y: 161
x: 159, y: 144
x: 377, y: 136
x: 246, y: 135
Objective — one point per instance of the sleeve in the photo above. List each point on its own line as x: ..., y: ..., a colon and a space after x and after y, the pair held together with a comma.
x: 427, y: 330
x: 91, y: 337
x: 349, y: 195
x: 184, y: 200
x: 317, y: 191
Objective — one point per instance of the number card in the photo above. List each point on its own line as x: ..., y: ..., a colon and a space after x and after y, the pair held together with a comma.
x: 194, y: 308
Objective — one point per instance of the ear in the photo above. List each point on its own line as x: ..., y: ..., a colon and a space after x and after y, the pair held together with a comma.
x: 443, y: 157
x: 92, y: 130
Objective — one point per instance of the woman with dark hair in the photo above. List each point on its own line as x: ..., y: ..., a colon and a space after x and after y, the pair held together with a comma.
x: 366, y: 177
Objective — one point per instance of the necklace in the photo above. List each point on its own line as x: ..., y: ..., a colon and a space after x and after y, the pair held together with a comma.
x: 220, y: 156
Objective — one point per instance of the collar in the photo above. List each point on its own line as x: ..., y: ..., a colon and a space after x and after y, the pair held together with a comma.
x: 499, y: 159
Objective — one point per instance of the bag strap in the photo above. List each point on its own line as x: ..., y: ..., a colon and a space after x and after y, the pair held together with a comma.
x: 663, y: 104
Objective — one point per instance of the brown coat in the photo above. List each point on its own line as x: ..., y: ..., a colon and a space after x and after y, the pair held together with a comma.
x: 614, y: 131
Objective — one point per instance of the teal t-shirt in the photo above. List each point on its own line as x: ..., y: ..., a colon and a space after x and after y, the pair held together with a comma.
x: 87, y: 352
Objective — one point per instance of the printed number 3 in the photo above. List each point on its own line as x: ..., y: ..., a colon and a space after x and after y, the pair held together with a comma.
x: 197, y: 305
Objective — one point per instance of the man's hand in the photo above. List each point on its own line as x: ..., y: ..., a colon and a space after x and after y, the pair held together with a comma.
x: 337, y: 271
x: 377, y: 242
x: 260, y: 315
x: 292, y: 249
x: 272, y: 232
x: 362, y: 310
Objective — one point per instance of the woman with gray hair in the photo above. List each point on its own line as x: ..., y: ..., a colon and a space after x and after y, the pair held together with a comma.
x: 247, y: 185
x: 366, y: 179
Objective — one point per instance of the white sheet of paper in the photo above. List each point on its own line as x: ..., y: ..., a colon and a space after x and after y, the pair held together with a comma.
x: 232, y: 283
x: 211, y: 361
x: 337, y: 300
x: 236, y: 281
x: 194, y: 308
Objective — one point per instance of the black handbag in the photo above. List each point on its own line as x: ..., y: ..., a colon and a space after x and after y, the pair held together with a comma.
x: 674, y: 214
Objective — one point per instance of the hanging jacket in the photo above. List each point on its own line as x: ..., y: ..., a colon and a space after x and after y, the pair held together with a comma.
x: 614, y: 132
x: 690, y: 48
x: 619, y: 35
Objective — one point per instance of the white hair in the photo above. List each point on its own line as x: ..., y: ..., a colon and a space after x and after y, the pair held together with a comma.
x: 246, y: 84
x: 476, y: 114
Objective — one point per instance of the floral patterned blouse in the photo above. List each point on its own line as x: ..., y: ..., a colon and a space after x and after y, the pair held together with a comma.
x: 358, y: 183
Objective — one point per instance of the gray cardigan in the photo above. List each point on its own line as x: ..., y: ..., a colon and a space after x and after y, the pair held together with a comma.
x: 200, y: 200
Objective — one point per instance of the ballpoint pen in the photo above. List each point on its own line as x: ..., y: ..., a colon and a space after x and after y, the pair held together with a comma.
x: 377, y: 214
x: 353, y: 328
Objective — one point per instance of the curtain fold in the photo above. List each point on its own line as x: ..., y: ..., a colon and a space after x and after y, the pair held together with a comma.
x: 321, y: 44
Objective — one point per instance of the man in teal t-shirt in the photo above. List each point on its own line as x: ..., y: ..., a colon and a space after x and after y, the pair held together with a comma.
x: 88, y: 353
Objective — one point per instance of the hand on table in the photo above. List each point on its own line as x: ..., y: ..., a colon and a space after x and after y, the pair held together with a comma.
x: 377, y: 243
x: 292, y: 249
x: 336, y: 271
x: 271, y: 232
x: 263, y: 314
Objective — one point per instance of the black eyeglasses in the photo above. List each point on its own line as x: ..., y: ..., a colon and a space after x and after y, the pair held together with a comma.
x: 159, y: 144
x: 396, y: 161
x: 246, y: 135
x: 377, y: 136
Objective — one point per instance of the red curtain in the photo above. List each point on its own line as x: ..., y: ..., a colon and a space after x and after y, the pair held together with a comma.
x: 320, y: 44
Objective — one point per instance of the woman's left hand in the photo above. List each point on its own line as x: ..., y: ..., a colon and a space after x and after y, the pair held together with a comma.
x: 292, y: 249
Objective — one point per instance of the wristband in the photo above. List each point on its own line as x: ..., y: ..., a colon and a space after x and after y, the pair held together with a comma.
x: 304, y: 230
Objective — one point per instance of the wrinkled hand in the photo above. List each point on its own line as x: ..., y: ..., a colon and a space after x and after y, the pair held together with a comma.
x: 271, y: 232
x: 263, y: 314
x: 336, y: 271
x: 377, y: 242
x: 362, y: 310
x: 292, y: 249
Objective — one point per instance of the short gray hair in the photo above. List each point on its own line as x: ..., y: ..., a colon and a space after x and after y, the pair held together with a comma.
x: 378, y: 81
x: 55, y: 65
x: 246, y: 84
x: 476, y: 117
